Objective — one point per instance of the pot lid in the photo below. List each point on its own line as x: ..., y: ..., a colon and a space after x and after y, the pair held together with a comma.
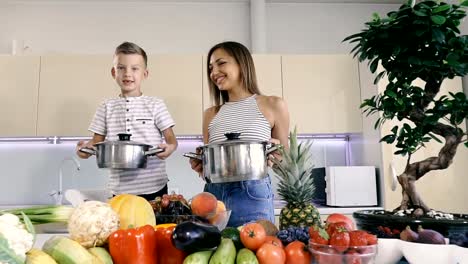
x: 234, y: 139
x: 124, y: 139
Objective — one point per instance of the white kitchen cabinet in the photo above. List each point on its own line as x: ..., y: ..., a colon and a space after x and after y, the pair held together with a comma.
x: 442, y: 189
x: 177, y: 79
x: 322, y: 93
x: 268, y: 70
x: 71, y: 89
x: 20, y: 81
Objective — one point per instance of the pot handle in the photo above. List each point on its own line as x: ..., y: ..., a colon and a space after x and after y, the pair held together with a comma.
x: 88, y: 150
x: 153, y: 151
x: 193, y: 155
x: 272, y: 147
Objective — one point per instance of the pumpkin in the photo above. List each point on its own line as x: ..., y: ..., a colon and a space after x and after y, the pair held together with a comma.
x: 134, y: 211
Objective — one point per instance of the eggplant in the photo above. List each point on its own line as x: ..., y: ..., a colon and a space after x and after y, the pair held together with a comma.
x: 192, y: 236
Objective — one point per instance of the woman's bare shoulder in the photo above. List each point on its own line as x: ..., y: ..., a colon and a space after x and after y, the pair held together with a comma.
x: 272, y: 102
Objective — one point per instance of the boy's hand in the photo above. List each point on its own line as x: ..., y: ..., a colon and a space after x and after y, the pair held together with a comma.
x: 168, y: 149
x: 83, y: 144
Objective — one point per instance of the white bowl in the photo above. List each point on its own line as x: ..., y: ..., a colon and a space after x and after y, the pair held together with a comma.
x: 419, y: 253
x: 459, y: 255
x: 388, y: 251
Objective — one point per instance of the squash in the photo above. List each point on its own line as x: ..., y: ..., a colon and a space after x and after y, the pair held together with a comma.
x: 64, y: 250
x: 134, y: 211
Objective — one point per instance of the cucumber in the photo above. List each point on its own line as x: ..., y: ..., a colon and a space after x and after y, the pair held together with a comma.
x: 225, y: 253
x: 246, y: 256
x: 66, y: 251
x: 200, y: 257
x: 101, y: 254
x: 234, y: 234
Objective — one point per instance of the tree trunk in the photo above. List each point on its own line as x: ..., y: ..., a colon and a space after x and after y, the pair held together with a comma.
x: 414, y: 171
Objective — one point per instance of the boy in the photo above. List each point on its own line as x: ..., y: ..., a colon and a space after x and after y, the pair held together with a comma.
x: 145, y: 117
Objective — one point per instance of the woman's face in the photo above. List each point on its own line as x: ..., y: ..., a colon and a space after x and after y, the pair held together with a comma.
x: 224, y: 71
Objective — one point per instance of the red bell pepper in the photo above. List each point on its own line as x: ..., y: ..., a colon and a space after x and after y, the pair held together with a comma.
x: 167, y: 253
x: 133, y: 245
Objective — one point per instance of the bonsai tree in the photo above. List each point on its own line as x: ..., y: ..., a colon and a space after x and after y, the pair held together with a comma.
x: 420, y: 40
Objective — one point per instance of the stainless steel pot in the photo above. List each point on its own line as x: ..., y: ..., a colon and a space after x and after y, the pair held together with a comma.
x: 122, y: 154
x: 234, y: 159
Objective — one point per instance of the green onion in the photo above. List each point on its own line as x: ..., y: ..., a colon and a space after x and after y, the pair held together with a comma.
x: 43, y: 214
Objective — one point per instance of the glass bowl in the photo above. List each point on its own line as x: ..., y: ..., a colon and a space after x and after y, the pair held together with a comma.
x: 219, y: 219
x: 327, y: 254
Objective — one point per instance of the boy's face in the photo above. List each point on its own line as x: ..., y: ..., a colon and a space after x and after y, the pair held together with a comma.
x: 128, y: 71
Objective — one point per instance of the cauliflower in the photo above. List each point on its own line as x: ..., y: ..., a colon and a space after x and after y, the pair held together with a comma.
x: 18, y: 238
x: 92, y: 222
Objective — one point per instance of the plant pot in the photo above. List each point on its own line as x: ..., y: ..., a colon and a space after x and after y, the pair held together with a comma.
x: 376, y: 220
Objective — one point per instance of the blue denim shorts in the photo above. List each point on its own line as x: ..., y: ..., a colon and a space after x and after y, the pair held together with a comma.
x: 249, y: 200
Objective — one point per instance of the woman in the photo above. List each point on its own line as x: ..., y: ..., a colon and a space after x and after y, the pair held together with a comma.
x: 240, y: 107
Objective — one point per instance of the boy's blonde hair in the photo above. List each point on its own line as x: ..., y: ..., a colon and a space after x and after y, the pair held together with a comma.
x: 131, y: 48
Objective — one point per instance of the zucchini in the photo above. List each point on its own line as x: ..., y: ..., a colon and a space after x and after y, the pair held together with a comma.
x: 246, y: 256
x: 101, y: 254
x: 225, y: 253
x: 234, y: 234
x: 200, y: 257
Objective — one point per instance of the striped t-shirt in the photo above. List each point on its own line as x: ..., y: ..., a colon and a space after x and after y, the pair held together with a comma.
x: 145, y: 118
x: 241, y: 116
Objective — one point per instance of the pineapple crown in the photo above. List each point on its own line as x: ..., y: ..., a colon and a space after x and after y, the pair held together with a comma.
x: 295, y: 184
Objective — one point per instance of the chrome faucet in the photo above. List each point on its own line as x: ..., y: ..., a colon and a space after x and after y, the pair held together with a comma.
x: 57, y: 195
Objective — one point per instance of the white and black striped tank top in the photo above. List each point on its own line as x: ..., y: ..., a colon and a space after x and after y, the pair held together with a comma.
x: 243, y: 117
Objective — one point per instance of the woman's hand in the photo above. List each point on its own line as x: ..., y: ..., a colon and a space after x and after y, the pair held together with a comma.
x: 196, y: 164
x: 275, y: 154
x: 168, y: 149
x: 82, y: 144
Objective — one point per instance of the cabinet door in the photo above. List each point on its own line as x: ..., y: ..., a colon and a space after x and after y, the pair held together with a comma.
x: 322, y: 93
x: 177, y: 79
x: 71, y: 88
x: 268, y: 70
x: 20, y: 80
x: 442, y: 189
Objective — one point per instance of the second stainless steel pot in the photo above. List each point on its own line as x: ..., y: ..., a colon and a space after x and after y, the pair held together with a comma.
x: 122, y: 154
x: 234, y: 159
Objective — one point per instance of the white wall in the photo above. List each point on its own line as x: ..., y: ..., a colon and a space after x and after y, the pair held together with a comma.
x: 97, y: 27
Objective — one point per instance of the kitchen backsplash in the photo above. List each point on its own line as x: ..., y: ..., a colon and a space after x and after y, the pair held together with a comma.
x: 30, y: 171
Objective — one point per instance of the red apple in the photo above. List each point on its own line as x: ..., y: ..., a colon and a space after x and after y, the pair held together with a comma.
x: 334, y: 218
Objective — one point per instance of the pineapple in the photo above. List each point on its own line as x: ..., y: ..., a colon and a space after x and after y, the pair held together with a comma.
x: 295, y: 185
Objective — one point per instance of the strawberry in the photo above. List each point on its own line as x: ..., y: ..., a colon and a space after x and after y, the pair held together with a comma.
x: 357, y: 238
x: 332, y: 227
x: 352, y: 257
x: 340, y: 240
x: 318, y: 235
x: 371, y: 239
x: 327, y: 256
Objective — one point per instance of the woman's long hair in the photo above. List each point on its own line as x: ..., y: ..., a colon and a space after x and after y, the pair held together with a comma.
x: 247, y: 70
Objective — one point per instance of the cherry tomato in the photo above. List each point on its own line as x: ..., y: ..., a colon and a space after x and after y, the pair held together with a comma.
x: 297, y: 253
x: 271, y: 254
x: 252, y: 236
x: 274, y: 240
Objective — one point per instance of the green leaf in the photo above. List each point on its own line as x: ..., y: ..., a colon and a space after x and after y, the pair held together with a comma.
x: 466, y: 143
x: 435, y: 138
x: 440, y: 9
x: 464, y: 3
x: 389, y: 139
x: 419, y: 13
x: 29, y: 226
x: 7, y: 255
x: 439, y: 20
x: 374, y: 65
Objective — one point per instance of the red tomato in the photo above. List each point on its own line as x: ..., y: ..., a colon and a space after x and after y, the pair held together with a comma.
x: 252, y: 236
x: 271, y: 254
x: 273, y: 240
x: 297, y: 253
x: 333, y: 218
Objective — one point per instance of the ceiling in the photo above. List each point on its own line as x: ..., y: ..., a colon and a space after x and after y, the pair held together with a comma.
x: 231, y: 1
